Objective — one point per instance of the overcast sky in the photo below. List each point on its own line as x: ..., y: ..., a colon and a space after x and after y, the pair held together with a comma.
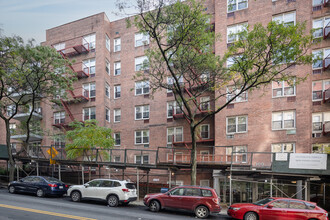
x: 30, y: 18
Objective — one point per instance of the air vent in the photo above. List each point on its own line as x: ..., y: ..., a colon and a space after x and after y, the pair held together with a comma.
x: 230, y: 136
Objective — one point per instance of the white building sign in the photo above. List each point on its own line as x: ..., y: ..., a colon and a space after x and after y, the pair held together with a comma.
x: 308, y: 161
x: 281, y: 156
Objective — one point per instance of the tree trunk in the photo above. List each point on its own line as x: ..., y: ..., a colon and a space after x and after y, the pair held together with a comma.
x: 193, y: 156
x: 11, y: 160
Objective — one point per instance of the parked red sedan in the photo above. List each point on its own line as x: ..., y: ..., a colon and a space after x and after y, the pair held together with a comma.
x: 277, y: 208
x: 201, y: 200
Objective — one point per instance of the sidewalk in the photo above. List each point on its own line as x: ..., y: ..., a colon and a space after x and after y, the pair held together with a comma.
x: 224, y: 206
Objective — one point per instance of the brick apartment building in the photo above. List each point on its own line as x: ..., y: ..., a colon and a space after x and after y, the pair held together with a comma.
x: 282, y: 118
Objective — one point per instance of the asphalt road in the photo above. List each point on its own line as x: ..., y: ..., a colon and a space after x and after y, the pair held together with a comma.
x: 30, y: 207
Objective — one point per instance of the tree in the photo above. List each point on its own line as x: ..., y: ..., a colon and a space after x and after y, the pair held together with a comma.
x: 181, y: 58
x: 27, y: 74
x: 88, y: 136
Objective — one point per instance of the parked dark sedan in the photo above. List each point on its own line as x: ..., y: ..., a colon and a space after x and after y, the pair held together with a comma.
x: 39, y: 185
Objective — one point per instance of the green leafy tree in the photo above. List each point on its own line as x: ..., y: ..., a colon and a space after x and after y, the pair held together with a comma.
x: 181, y: 58
x: 86, y: 137
x: 28, y: 73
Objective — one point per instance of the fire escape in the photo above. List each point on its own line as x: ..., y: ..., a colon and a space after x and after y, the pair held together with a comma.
x: 326, y: 3
x: 82, y: 71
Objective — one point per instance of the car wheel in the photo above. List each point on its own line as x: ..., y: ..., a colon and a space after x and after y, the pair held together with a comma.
x: 250, y: 216
x: 113, y: 201
x: 40, y: 193
x: 75, y: 196
x: 12, y: 189
x: 154, y: 206
x: 202, y: 212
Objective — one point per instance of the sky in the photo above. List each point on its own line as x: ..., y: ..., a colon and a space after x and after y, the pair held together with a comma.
x: 31, y: 18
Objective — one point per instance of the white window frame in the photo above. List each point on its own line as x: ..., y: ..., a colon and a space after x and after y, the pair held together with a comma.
x: 236, y: 5
x: 236, y: 124
x: 114, y: 137
x: 283, y: 87
x: 230, y: 151
x: 90, y: 64
x: 90, y: 87
x: 90, y: 110
x: 107, y: 42
x: 115, y: 91
x: 59, y: 46
x: 324, y: 88
x: 283, y: 145
x: 208, y: 131
x: 324, y: 117
x: 116, y: 113
x: 117, y: 68
x: 205, y: 104
x: 143, y: 110
x: 91, y: 40
x: 117, y: 44
x: 142, y: 158
x: 281, y: 17
x: 283, y: 119
x: 316, y: 26
x: 142, y: 137
x: 176, y: 109
x: 170, y: 81
x: 141, y: 39
x: 144, y: 86
x: 58, y: 116
x: 234, y: 30
x: 107, y: 114
x: 317, y: 2
x: 140, y: 62
x: 107, y: 66
x: 107, y: 90
x: 323, y: 53
x: 175, y: 134
x: 239, y: 98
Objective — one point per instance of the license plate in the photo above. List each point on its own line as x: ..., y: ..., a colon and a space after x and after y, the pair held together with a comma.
x: 61, y: 187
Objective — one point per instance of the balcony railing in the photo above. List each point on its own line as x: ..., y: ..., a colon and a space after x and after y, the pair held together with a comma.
x: 75, y: 47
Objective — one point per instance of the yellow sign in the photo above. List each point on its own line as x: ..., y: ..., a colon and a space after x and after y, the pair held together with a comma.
x: 52, y: 161
x: 52, y: 152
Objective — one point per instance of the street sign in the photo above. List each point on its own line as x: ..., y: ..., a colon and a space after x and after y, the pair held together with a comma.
x: 52, y: 152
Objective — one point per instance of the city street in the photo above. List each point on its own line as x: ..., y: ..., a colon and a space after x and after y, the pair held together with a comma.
x: 30, y: 207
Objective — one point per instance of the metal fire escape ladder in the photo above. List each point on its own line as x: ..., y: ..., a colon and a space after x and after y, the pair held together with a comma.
x: 66, y: 107
x: 326, y: 3
x: 326, y: 62
x: 326, y: 31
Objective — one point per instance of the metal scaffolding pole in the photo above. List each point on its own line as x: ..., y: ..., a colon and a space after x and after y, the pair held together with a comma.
x: 37, y: 169
x: 137, y: 184
x: 169, y: 178
x: 82, y: 174
x: 59, y: 172
x: 271, y: 186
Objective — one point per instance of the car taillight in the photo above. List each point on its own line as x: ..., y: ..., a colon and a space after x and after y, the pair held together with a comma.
x: 216, y: 200
x: 125, y: 190
x: 66, y: 186
x: 52, y: 185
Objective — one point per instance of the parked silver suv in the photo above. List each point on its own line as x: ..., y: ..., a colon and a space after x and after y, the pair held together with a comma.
x: 112, y: 191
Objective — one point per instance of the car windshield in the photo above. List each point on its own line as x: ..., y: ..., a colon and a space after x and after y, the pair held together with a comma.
x: 263, y: 201
x: 52, y: 180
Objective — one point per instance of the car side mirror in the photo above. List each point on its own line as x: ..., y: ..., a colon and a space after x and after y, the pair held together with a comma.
x: 270, y: 206
x: 86, y: 185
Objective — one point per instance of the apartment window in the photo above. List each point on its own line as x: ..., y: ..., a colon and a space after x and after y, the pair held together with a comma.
x: 89, y: 89
x: 319, y: 56
x: 11, y: 110
x: 117, y: 68
x: 205, y: 103
x: 59, y: 46
x: 142, y: 87
x: 237, y: 124
x: 12, y: 128
x: 89, y: 113
x: 239, y: 154
x: 107, y: 90
x: 319, y: 120
x: 117, y: 44
x: 144, y: 159
x: 205, y: 131
x: 141, y: 39
x: 174, y: 134
x: 320, y: 148
x: 117, y: 139
x: 141, y: 63
x: 283, y: 88
x: 107, y: 67
x: 142, y: 137
x: 116, y: 159
x: 283, y: 148
x: 317, y: 2
x: 233, y: 91
x: 89, y: 41
x: 59, y: 117
x: 319, y: 25
x: 107, y: 42
x: 173, y: 108
x: 233, y: 32
x: 235, y: 5
x: 117, y: 115
x: 170, y: 82
x: 283, y: 120
x: 59, y: 143
x: 117, y: 91
x: 319, y: 87
x: 141, y: 112
x: 107, y: 115
x: 286, y: 18
x: 89, y: 67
